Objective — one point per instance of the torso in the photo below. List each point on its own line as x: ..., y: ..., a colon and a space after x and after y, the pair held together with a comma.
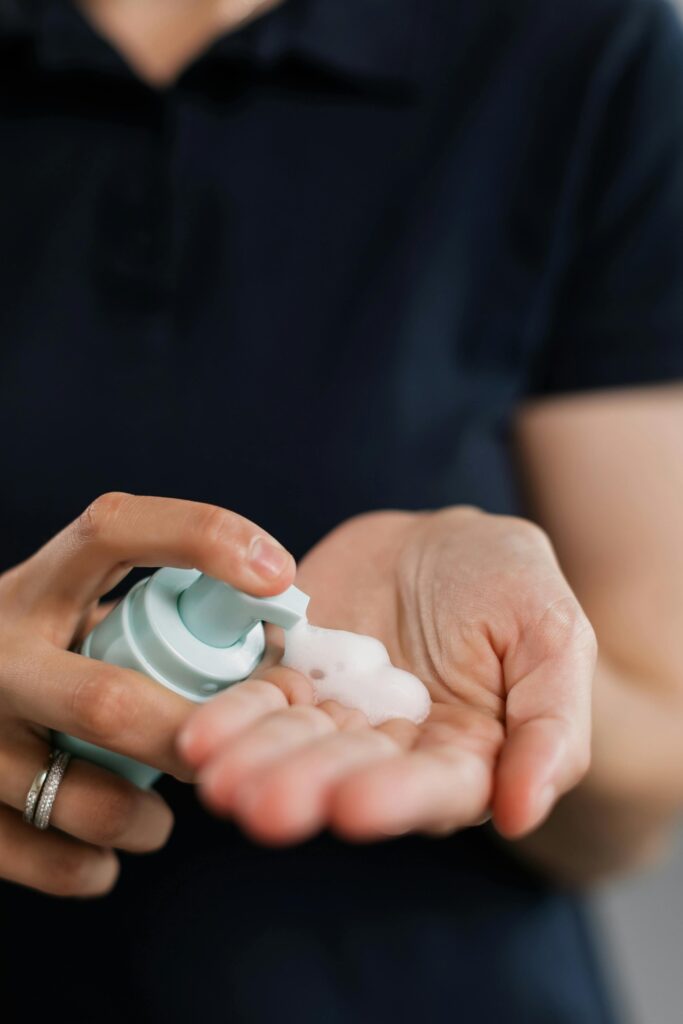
x: 300, y: 290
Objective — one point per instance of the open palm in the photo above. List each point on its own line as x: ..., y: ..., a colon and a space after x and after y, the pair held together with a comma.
x: 476, y: 606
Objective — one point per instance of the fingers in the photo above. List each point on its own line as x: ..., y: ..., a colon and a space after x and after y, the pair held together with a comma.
x: 423, y: 790
x: 266, y: 743
x: 288, y: 801
x: 357, y: 781
x: 231, y: 712
x: 111, y: 707
x: 118, y: 531
x: 91, y: 804
x: 93, y: 616
x: 272, y: 764
x: 548, y: 717
x: 52, y: 862
x: 284, y: 774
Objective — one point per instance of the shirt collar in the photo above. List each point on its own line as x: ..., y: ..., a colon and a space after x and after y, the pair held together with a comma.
x: 369, y: 41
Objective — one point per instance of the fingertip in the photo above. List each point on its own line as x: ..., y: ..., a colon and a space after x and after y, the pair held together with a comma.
x: 521, y: 806
x: 356, y: 809
x: 102, y: 877
x: 542, y: 805
x: 270, y: 567
x: 532, y: 771
x: 204, y: 732
x: 511, y: 819
x: 164, y: 824
x: 212, y: 802
x: 223, y: 718
x: 271, y: 815
x: 212, y: 789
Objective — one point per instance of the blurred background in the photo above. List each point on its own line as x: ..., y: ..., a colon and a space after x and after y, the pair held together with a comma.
x: 641, y: 921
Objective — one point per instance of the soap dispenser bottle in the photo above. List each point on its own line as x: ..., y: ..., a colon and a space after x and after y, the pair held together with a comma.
x: 189, y: 632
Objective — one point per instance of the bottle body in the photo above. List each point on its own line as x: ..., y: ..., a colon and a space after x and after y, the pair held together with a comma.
x: 110, y: 640
x: 145, y: 632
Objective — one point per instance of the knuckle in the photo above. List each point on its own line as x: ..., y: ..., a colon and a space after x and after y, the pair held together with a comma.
x: 530, y: 533
x: 95, y: 521
x: 563, y: 615
x: 564, y: 622
x: 585, y: 632
x: 102, y: 705
x: 580, y: 632
x: 112, y: 814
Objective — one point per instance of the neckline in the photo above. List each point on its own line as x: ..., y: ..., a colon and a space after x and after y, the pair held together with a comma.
x: 213, y: 42
x: 375, y: 44
x: 69, y: 40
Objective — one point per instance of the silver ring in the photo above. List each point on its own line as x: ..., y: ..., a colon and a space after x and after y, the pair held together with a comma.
x: 48, y: 794
x: 34, y: 792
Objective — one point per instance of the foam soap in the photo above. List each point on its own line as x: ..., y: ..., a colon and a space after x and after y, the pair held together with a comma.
x: 355, y: 671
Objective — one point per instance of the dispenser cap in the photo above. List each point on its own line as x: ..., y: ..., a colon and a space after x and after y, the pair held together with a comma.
x: 219, y: 615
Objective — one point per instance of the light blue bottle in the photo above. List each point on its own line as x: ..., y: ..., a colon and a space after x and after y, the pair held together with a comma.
x: 190, y: 633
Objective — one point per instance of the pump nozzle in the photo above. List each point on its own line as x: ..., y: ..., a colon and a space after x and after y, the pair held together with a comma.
x: 219, y: 615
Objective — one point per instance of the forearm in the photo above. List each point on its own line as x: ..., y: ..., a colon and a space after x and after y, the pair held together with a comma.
x: 619, y: 817
x: 604, y: 476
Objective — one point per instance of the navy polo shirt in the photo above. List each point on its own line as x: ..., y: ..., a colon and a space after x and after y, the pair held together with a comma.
x: 316, y: 276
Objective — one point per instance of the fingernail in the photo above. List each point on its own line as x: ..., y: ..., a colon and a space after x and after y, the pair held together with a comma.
x: 544, y: 801
x: 267, y: 558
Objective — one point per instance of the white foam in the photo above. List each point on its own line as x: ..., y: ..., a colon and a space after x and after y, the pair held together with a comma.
x: 355, y: 671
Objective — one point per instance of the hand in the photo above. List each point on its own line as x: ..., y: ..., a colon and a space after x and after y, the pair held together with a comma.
x: 473, y: 604
x: 48, y: 604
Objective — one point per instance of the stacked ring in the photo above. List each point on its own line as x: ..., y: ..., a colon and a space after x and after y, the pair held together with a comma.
x: 34, y: 794
x: 43, y: 792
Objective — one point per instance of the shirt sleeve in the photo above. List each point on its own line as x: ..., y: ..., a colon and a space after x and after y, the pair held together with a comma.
x: 617, y: 316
